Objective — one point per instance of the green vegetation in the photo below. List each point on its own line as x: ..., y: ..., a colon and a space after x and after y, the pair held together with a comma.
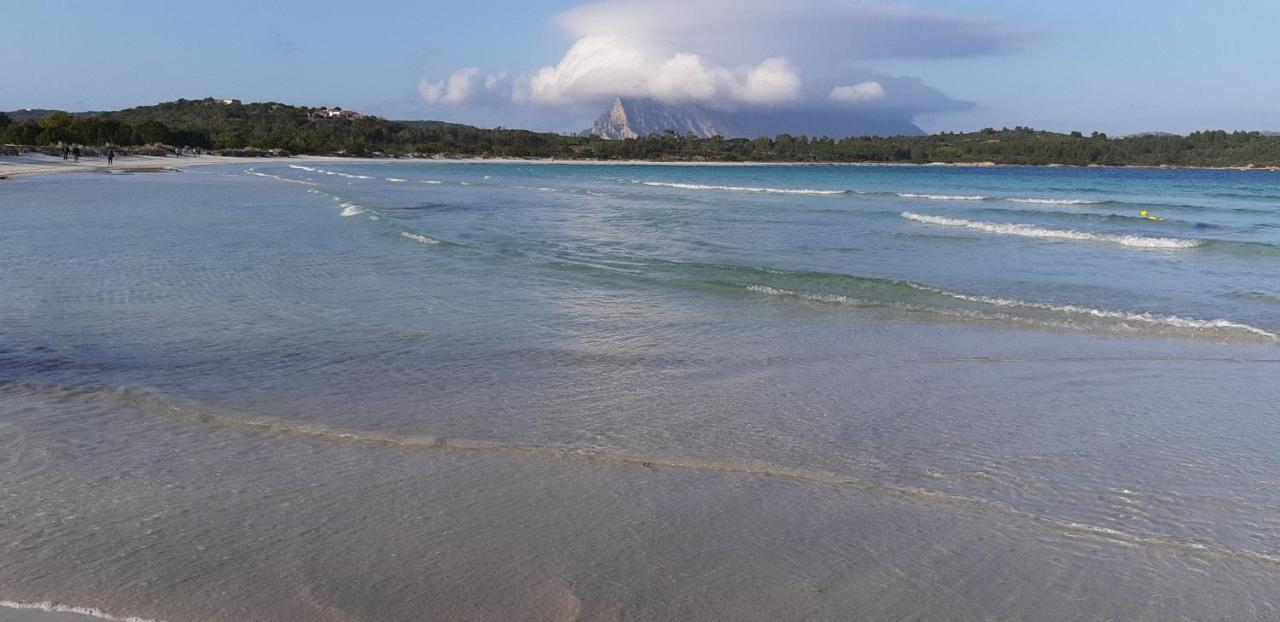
x: 214, y: 125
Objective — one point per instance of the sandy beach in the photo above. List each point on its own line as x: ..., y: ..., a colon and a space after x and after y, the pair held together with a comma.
x: 13, y: 167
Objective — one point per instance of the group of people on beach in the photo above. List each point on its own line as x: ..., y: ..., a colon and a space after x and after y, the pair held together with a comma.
x: 74, y: 152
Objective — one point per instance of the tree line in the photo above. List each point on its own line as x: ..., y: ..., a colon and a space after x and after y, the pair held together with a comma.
x: 217, y: 126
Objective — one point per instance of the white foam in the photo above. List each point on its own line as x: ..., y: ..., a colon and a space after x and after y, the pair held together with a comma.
x: 1172, y: 321
x: 302, y: 168
x: 52, y: 607
x: 338, y: 173
x: 279, y: 178
x: 1055, y: 201
x: 744, y: 188
x: 1031, y: 231
x: 432, y: 182
x: 352, y: 209
x: 395, y: 179
x: 942, y: 197
x: 418, y: 238
x: 773, y: 291
x: 1152, y: 319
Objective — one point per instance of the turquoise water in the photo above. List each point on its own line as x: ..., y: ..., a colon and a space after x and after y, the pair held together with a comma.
x: 407, y: 390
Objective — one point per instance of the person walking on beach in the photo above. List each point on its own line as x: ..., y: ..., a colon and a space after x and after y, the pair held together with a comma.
x: 111, y: 156
x: 66, y: 151
x: 75, y: 153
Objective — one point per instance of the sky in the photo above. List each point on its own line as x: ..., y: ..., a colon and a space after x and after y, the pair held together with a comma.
x: 1117, y: 66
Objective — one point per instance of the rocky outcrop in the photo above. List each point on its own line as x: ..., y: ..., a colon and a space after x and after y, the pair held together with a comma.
x: 632, y: 118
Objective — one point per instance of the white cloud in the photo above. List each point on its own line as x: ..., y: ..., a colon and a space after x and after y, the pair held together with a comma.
x: 430, y: 91
x: 492, y: 81
x: 803, y: 30
x: 730, y: 54
x: 463, y: 86
x: 774, y: 81
x: 860, y: 93
x: 598, y: 68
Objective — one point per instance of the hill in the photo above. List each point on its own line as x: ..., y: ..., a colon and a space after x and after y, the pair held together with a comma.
x: 231, y: 126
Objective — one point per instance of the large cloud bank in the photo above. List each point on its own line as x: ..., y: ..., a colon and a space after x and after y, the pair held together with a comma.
x: 737, y: 54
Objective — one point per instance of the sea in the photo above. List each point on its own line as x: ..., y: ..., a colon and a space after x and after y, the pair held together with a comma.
x: 418, y: 390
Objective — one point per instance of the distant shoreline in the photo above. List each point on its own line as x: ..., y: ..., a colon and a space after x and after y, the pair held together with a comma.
x: 16, y: 167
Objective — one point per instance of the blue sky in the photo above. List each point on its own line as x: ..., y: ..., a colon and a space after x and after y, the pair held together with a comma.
x: 1117, y: 66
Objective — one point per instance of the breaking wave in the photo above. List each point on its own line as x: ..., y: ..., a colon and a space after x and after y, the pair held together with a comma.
x: 257, y: 173
x: 417, y: 237
x: 350, y: 209
x: 1056, y: 201
x: 943, y: 197
x: 1173, y: 321
x: 1031, y: 231
x: 1036, y: 314
x: 744, y: 188
x: 328, y: 172
x: 847, y: 290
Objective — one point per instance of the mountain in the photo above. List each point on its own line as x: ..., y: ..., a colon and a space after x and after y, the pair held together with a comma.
x: 633, y: 118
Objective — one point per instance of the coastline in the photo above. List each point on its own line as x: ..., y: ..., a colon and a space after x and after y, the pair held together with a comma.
x: 17, y: 167
x: 986, y: 164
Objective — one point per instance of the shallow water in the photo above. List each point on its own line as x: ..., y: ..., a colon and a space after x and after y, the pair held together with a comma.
x: 413, y: 390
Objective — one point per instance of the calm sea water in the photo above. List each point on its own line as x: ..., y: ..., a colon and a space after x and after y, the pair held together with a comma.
x: 406, y: 391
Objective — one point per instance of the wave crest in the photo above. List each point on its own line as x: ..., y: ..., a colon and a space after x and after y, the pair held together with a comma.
x: 744, y: 188
x: 943, y: 197
x: 1055, y: 201
x: 417, y: 237
x: 1032, y: 231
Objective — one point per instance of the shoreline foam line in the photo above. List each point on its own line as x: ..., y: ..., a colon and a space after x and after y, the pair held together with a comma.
x: 1067, y: 311
x: 1033, y: 231
x: 1174, y: 321
x: 52, y: 607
